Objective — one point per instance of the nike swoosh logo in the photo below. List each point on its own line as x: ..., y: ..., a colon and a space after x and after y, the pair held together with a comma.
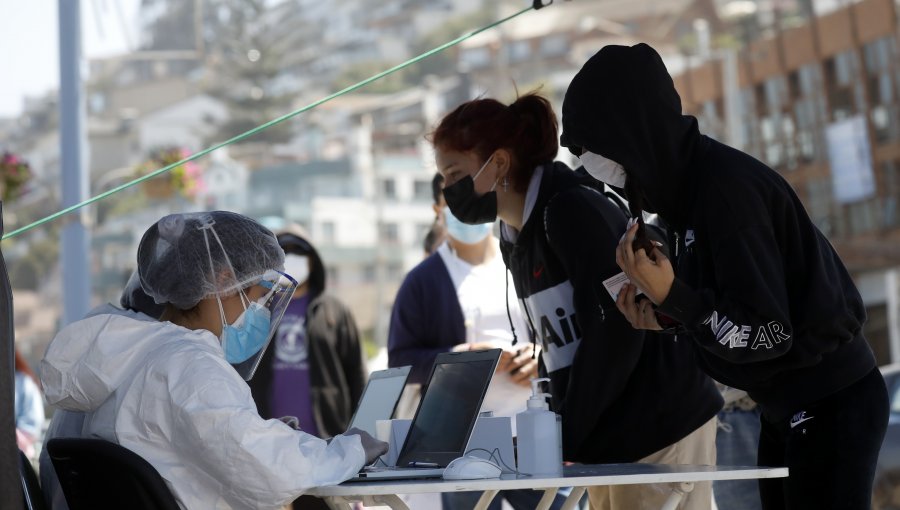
x: 798, y: 422
x: 537, y: 272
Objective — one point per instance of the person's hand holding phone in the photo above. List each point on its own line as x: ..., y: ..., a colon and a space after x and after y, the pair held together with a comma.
x: 652, y: 272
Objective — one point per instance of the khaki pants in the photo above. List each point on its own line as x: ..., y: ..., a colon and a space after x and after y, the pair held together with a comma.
x: 698, y: 447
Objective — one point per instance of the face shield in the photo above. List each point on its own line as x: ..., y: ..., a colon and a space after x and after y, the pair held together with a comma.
x: 244, y: 340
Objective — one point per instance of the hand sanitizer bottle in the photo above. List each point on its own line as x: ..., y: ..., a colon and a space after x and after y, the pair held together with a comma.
x: 539, y: 442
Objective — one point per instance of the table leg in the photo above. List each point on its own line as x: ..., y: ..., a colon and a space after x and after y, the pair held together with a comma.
x: 485, y: 500
x: 391, y: 500
x: 337, y: 503
x: 345, y: 503
x: 574, y: 498
x: 547, y: 499
x: 678, y: 492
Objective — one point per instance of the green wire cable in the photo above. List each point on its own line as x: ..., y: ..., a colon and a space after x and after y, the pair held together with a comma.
x: 265, y: 126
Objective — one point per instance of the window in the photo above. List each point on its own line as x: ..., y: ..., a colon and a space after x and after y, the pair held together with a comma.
x: 771, y: 98
x: 818, y: 204
x: 554, y: 45
x: 368, y: 273
x: 879, y: 57
x: 517, y: 51
x: 394, y: 271
x: 844, y: 90
x: 389, y: 232
x: 328, y: 232
x: 476, y: 58
x: 710, y: 120
x: 891, y: 206
x: 807, y: 116
x: 422, y: 190
x: 748, y: 127
x: 389, y: 188
x: 863, y: 216
x: 333, y: 275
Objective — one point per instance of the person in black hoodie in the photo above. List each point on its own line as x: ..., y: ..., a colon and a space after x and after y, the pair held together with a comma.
x: 753, y: 282
x: 624, y: 395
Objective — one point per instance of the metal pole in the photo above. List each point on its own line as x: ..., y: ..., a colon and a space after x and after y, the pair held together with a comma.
x: 73, y: 155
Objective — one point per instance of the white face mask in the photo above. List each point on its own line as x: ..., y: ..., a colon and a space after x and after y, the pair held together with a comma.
x: 297, y: 266
x: 603, y: 169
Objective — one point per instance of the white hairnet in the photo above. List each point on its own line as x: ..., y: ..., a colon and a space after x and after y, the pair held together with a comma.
x: 184, y: 258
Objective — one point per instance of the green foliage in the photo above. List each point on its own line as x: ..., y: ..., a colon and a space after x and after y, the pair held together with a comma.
x: 250, y: 45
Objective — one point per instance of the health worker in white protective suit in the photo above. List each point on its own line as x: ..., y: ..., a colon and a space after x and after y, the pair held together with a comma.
x: 173, y: 390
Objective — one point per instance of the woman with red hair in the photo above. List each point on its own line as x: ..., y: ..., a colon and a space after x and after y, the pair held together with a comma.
x: 624, y: 395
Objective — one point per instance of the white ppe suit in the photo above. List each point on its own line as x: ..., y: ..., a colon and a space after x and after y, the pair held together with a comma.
x: 167, y: 393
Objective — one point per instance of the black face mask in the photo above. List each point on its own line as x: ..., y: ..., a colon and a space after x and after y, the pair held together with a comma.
x: 466, y: 205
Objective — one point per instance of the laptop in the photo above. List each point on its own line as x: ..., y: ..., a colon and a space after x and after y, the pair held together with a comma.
x: 379, y: 398
x: 440, y: 430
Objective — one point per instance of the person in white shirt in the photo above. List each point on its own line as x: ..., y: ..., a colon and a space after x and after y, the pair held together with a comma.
x: 458, y: 299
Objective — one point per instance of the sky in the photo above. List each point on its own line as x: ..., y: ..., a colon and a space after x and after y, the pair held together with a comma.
x: 29, y: 39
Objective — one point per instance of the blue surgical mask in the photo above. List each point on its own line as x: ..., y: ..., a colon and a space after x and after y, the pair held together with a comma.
x: 248, y: 335
x: 463, y: 232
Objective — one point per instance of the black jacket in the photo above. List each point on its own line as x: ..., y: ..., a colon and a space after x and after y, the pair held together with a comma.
x: 757, y: 285
x: 337, y: 369
x: 622, y: 394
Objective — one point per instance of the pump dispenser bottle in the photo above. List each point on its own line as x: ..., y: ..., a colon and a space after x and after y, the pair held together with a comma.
x: 539, y: 442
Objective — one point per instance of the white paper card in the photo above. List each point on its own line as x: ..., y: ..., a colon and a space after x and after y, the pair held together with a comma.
x: 614, y: 284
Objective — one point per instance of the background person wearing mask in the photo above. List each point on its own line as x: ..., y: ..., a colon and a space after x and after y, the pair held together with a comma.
x: 457, y: 299
x: 438, y: 231
x: 174, y: 390
x: 753, y: 282
x: 624, y: 396
x: 29, y: 408
x: 315, y: 369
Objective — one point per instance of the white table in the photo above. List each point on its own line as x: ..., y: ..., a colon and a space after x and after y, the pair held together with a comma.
x: 579, y: 477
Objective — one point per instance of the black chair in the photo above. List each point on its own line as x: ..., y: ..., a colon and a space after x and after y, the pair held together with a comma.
x: 31, y: 488
x: 94, y: 473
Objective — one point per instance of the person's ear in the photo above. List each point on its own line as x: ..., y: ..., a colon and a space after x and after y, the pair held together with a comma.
x: 437, y: 210
x: 503, y: 161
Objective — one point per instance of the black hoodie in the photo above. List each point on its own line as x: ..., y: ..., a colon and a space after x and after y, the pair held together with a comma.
x: 622, y: 394
x: 757, y: 285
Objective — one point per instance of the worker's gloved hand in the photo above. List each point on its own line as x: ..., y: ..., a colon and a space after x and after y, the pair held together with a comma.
x: 373, y: 447
x: 291, y: 421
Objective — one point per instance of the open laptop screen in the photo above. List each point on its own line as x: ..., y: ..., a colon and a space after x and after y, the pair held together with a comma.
x: 448, y: 410
x: 379, y: 398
